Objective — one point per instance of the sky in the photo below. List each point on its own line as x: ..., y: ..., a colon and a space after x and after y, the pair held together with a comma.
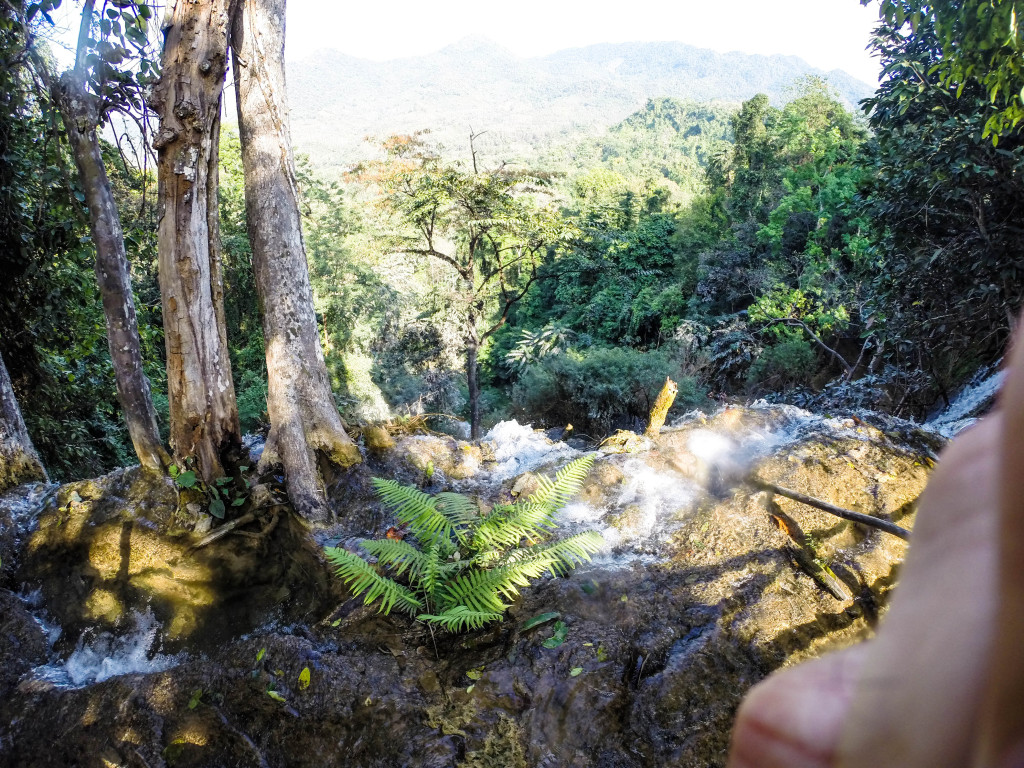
x: 828, y: 34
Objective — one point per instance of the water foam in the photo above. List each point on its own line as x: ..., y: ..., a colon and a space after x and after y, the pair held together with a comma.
x: 518, y: 449
x: 964, y: 409
x: 106, y: 655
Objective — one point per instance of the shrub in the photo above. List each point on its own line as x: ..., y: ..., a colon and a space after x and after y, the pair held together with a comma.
x: 784, y: 365
x: 599, y: 388
x: 457, y: 566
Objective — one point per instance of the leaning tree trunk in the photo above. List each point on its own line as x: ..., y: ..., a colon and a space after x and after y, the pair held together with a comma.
x: 204, y: 413
x: 19, y: 462
x: 304, y: 421
x: 81, y: 117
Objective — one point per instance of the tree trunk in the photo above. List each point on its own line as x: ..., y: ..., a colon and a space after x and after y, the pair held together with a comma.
x: 81, y: 117
x: 19, y: 462
x: 304, y: 421
x: 204, y: 413
x: 473, y: 383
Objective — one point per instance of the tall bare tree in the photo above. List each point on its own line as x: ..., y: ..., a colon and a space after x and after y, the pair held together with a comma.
x: 305, y: 426
x: 204, y: 412
x: 19, y: 462
x: 83, y: 109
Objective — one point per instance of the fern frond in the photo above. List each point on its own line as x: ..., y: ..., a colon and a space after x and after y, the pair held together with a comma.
x: 361, y: 577
x: 460, y: 618
x: 568, y: 482
x: 457, y: 507
x: 400, y: 556
x: 430, y: 576
x: 417, y: 510
x: 534, y: 517
x: 564, y: 555
x: 476, y: 590
x: 506, y: 526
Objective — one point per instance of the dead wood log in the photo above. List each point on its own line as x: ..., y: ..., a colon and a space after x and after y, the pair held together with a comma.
x: 666, y: 397
x: 832, y: 509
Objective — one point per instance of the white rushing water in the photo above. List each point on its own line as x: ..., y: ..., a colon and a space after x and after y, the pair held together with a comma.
x: 105, y: 655
x: 966, y: 406
x: 518, y: 449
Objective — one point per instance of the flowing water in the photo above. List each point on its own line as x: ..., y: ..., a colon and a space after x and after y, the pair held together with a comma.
x: 100, y: 656
x: 972, y: 401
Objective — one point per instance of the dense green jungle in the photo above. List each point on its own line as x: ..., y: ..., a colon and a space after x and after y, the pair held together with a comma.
x: 798, y: 252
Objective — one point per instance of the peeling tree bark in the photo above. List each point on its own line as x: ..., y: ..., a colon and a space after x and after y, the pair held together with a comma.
x: 19, y: 462
x: 81, y: 118
x: 204, y: 413
x: 304, y: 422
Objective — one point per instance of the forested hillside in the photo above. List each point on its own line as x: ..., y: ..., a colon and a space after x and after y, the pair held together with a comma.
x: 523, y: 104
x: 790, y: 248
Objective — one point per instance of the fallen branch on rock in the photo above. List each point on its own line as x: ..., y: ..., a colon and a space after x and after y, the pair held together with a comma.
x: 224, y: 530
x: 832, y: 509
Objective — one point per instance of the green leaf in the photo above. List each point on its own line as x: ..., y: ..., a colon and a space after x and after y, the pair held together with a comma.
x: 260, y: 655
x: 277, y: 696
x: 542, y: 618
x: 304, y: 679
x: 197, y: 695
x: 475, y: 673
x: 217, y: 508
x: 559, y: 636
x: 238, y: 502
x: 575, y: 671
x: 186, y: 479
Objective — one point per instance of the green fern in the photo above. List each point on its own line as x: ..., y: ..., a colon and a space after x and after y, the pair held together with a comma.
x: 361, y: 577
x: 460, y: 618
x: 459, y: 568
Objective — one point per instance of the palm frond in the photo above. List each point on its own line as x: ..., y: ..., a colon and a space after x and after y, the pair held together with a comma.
x: 460, y: 618
x: 361, y: 577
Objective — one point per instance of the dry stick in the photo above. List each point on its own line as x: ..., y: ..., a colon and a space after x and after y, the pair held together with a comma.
x: 832, y: 509
x: 224, y: 530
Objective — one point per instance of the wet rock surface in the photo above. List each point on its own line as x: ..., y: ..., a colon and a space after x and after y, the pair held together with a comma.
x: 699, y: 595
x: 103, y: 551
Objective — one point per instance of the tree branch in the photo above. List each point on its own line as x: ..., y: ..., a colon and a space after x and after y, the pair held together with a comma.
x: 793, y: 322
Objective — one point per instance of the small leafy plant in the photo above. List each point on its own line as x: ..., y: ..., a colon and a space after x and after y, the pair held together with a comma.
x: 222, y: 493
x: 457, y: 566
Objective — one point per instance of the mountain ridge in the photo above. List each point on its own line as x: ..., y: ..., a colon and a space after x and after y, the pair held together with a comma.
x: 522, y: 102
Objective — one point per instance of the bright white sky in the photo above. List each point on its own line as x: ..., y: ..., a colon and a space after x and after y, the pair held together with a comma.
x: 828, y: 34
